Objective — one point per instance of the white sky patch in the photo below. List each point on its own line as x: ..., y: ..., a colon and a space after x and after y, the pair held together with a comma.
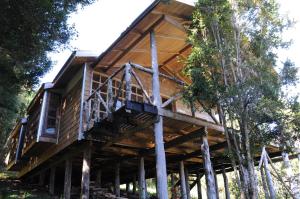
x: 99, y: 25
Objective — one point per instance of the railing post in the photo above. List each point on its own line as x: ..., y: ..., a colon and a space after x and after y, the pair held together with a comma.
x: 110, y: 101
x: 161, y: 171
x: 128, y: 82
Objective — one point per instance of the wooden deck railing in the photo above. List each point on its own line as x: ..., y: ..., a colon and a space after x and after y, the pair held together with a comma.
x: 110, y: 97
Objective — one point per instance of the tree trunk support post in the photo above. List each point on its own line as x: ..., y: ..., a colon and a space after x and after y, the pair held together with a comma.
x: 199, y: 191
x: 117, y: 180
x: 209, y: 173
x: 182, y: 180
x: 99, y: 178
x: 52, y: 180
x: 268, y: 176
x: 128, y: 82
x: 142, y: 181
x: 216, y: 183
x: 161, y: 171
x: 226, y: 186
x: 86, y: 167
x: 68, y: 178
x: 188, y: 190
x: 134, y: 184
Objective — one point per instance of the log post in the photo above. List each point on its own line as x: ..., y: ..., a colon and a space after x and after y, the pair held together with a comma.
x: 268, y: 176
x: 227, y: 193
x: 128, y: 82
x: 21, y: 139
x: 183, y: 181
x: 86, y: 167
x: 52, y: 180
x: 216, y: 183
x: 173, y: 188
x: 68, y: 178
x: 209, y: 176
x: 161, y: 171
x: 117, y: 180
x: 199, y: 191
x: 188, y: 191
x: 98, y: 178
x: 110, y: 101
x: 134, y: 184
x: 41, y: 178
x: 263, y: 180
x: 142, y: 188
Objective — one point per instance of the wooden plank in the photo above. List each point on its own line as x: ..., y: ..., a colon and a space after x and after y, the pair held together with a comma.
x: 86, y: 167
x: 68, y: 179
x: 189, y: 119
x: 161, y: 171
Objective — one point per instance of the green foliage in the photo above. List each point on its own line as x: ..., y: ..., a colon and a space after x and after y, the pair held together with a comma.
x: 29, y: 30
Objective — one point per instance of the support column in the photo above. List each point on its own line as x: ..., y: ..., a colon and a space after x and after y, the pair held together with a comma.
x: 209, y: 176
x: 68, y: 178
x: 98, y: 178
x: 188, y: 191
x: 142, y: 183
x: 199, y: 191
x: 52, y: 180
x: 216, y: 183
x: 128, y: 82
x: 227, y: 193
x: 134, y: 184
x: 86, y: 167
x: 161, y: 171
x: 127, y: 188
x: 41, y: 178
x: 269, y: 177
x: 117, y: 180
x: 183, y: 182
x: 173, y: 188
x: 263, y: 180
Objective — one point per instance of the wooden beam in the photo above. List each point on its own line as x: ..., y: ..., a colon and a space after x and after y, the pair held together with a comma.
x: 52, y: 180
x: 161, y: 168
x: 68, y: 179
x: 175, y: 23
x: 190, y: 119
x: 134, y: 43
x: 175, y: 55
x: 86, y: 167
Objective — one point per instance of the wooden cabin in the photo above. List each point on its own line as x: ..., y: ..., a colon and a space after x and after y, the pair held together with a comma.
x: 117, y: 117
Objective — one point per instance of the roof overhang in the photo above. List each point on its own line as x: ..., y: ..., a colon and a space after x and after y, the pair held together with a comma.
x: 169, y: 21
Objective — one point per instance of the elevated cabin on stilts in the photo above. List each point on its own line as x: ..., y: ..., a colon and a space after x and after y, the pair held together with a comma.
x: 119, y: 118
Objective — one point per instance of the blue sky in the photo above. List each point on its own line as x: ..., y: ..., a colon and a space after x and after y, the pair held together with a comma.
x: 99, y: 24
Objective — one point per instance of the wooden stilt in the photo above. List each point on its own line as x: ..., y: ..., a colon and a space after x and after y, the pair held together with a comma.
x: 117, y: 180
x: 263, y: 180
x: 110, y: 100
x: 199, y: 191
x: 161, y: 171
x: 68, y: 178
x: 86, y: 166
x: 134, y: 184
x: 98, y: 178
x: 52, y: 180
x: 183, y: 181
x: 188, y: 191
x: 227, y: 193
x: 209, y: 177
x: 173, y: 188
x: 216, y: 184
x: 269, y: 177
x: 128, y: 82
x: 41, y: 178
x: 142, y: 183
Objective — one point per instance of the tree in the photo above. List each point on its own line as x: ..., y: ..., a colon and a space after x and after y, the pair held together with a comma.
x: 29, y: 30
x: 232, y: 67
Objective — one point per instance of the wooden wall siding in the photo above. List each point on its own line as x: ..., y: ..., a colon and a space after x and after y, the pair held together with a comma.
x: 70, y: 110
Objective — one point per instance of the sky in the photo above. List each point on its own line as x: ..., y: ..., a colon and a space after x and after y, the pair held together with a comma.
x: 99, y: 24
